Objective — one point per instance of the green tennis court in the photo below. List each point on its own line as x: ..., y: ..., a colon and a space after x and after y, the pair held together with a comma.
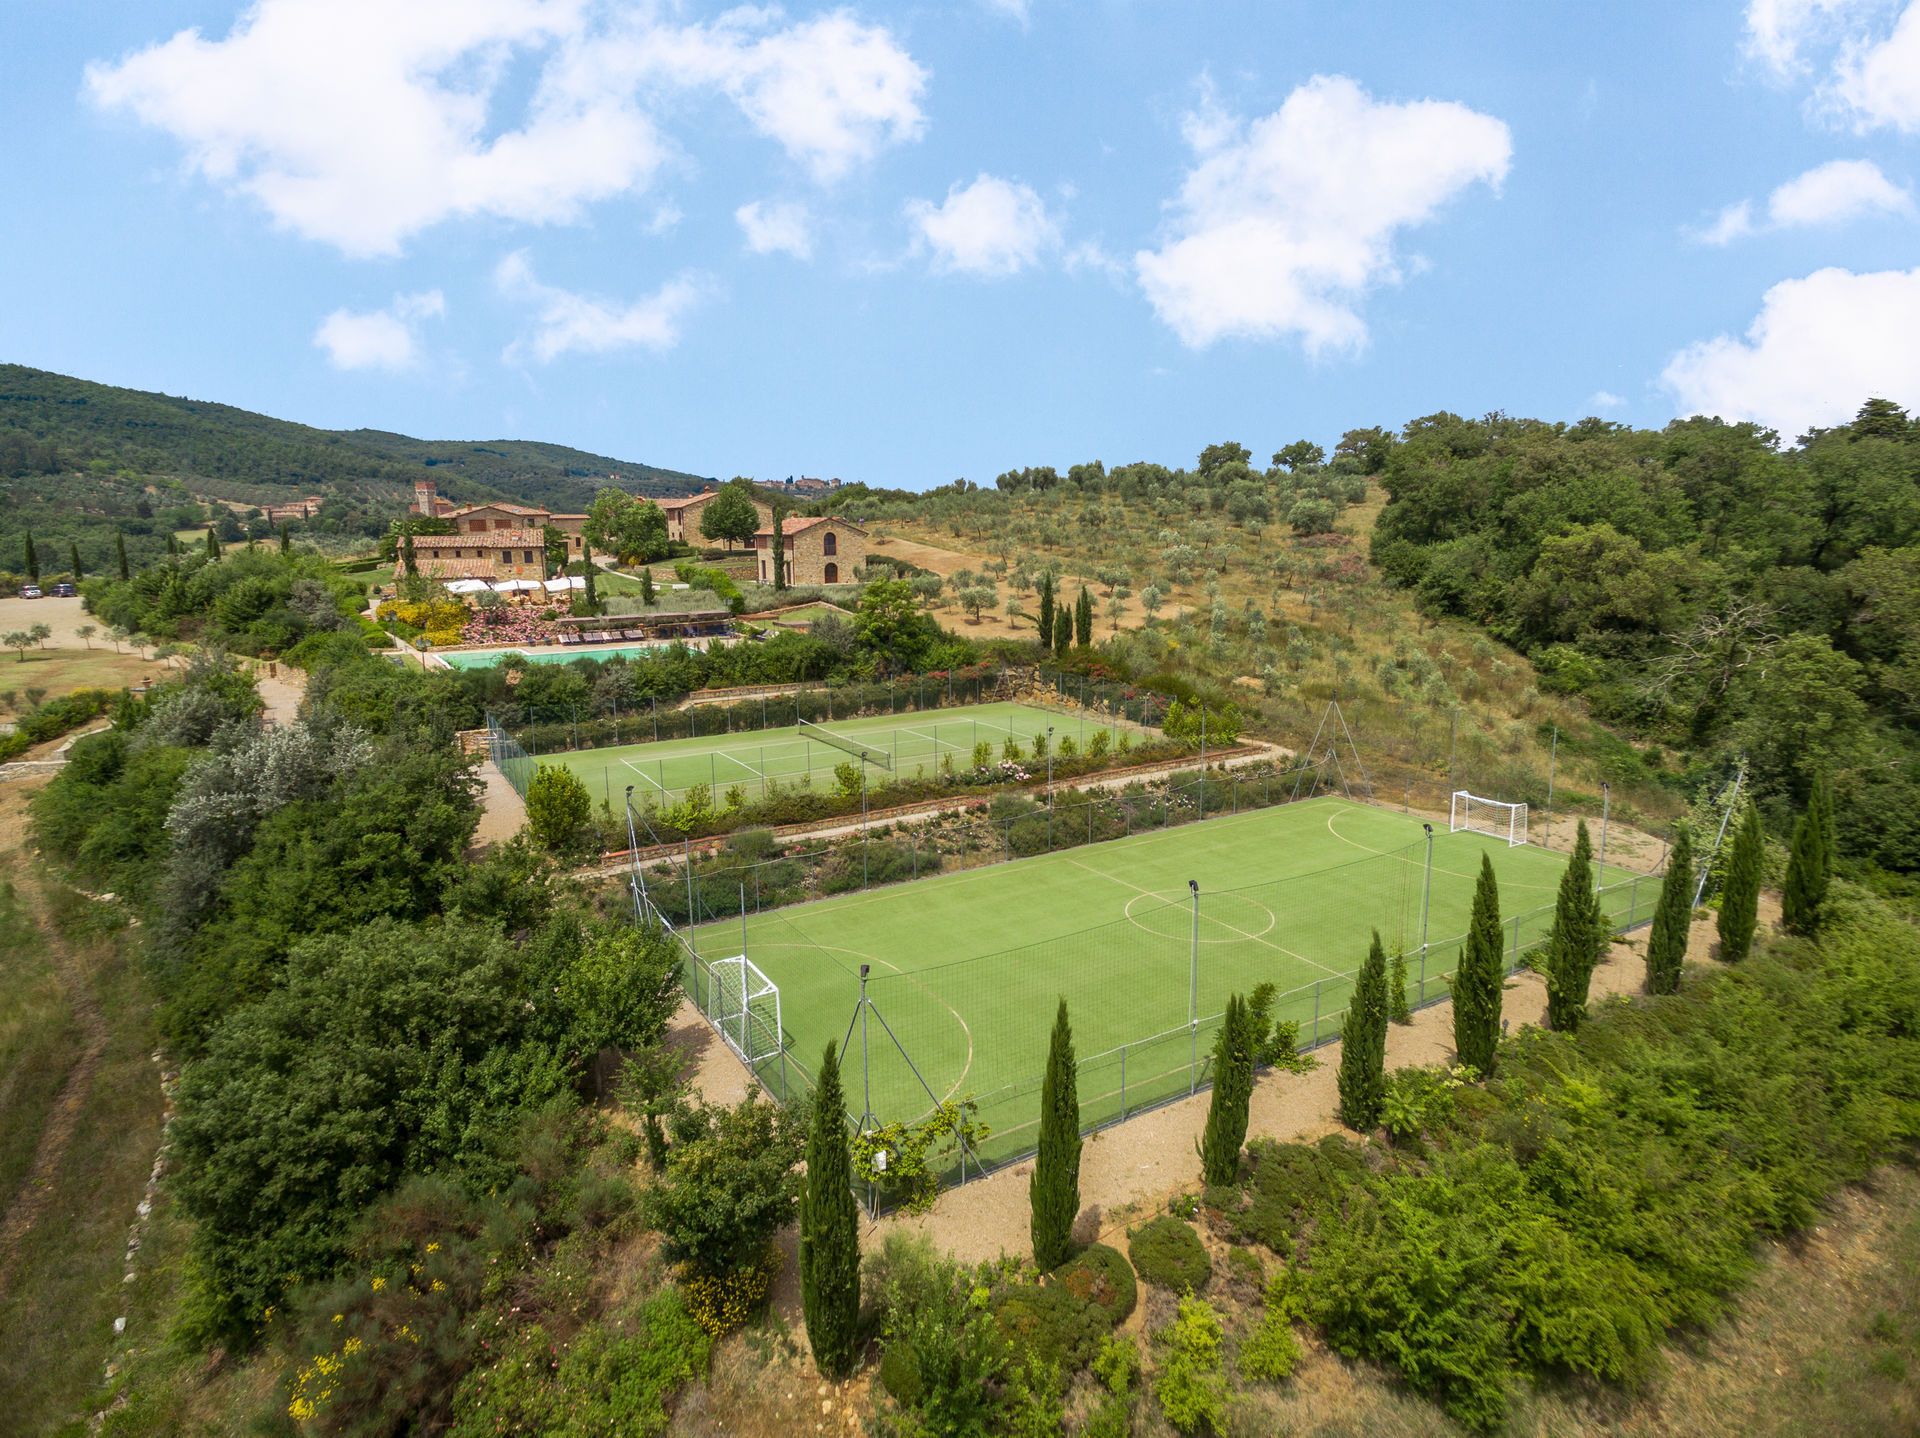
x: 909, y: 745
x: 966, y: 968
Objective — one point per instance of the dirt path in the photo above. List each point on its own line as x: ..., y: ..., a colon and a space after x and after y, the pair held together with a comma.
x: 503, y: 813
x: 24, y: 1207
x: 281, y: 692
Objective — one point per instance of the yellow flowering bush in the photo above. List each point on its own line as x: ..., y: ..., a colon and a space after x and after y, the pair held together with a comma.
x: 722, y: 1305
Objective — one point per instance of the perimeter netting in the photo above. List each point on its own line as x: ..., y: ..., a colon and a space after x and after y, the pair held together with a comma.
x: 1492, y: 817
x: 811, y: 730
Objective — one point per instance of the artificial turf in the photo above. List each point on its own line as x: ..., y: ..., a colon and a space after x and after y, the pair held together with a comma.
x: 966, y: 968
x: 912, y: 744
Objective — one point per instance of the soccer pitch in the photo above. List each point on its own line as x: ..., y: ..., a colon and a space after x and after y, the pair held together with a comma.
x: 967, y: 968
x: 913, y: 744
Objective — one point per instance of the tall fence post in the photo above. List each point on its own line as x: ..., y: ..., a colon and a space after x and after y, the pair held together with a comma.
x: 1606, y: 804
x: 1426, y: 897
x: 1193, y: 993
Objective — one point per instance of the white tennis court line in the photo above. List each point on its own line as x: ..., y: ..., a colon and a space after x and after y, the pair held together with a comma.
x: 645, y: 775
x: 1152, y: 894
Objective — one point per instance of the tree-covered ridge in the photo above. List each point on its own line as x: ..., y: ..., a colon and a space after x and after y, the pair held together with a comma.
x: 1699, y: 585
x: 53, y: 423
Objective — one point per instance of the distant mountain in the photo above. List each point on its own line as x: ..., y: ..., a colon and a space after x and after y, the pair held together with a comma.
x: 54, y: 424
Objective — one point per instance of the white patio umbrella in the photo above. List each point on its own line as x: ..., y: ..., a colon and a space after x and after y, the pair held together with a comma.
x: 467, y: 586
x: 564, y: 583
x: 515, y: 586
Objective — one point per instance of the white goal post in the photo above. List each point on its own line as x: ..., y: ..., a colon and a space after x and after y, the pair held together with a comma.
x: 1492, y: 817
x: 744, y: 1005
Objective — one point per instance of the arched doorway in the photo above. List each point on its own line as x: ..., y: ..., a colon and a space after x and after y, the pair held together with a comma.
x: 833, y: 572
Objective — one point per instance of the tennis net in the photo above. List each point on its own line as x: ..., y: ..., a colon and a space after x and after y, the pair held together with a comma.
x: 811, y: 730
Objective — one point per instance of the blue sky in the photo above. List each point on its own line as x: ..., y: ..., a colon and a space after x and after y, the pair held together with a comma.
x: 904, y: 243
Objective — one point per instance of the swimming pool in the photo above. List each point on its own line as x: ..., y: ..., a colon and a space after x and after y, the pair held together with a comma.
x: 487, y: 658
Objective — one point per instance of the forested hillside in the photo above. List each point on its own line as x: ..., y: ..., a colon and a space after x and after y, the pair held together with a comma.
x: 76, y: 460
x: 1701, y: 586
x: 1714, y: 597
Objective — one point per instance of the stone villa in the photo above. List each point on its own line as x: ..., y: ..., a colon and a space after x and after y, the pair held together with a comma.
x: 820, y: 550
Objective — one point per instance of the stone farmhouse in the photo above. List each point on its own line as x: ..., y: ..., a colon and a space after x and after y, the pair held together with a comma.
x: 683, y: 515
x: 820, y: 550
x: 492, y: 541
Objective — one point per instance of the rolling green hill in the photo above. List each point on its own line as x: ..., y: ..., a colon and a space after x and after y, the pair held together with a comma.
x: 80, y: 460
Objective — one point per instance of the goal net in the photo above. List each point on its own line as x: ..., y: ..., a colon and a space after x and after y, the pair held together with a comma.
x: 1492, y: 817
x: 744, y: 1005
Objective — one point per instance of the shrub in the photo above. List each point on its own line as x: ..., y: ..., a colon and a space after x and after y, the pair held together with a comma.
x: 1270, y: 1352
x: 1101, y: 1276
x: 722, y: 1303
x: 1049, y: 1322
x: 558, y: 807
x: 1287, y: 1181
x: 942, y: 1355
x: 1418, y: 1099
x: 1168, y: 1254
x: 1192, y: 1382
x: 614, y: 1378
x: 729, y: 1186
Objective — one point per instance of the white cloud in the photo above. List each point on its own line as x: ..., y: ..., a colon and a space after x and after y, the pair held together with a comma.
x: 1838, y: 191
x: 566, y: 322
x: 1877, y: 84
x: 379, y: 339
x: 831, y: 92
x: 1092, y: 255
x: 1831, y: 194
x: 777, y: 227
x: 663, y: 219
x: 1604, y: 399
x: 360, y: 123
x: 1735, y: 222
x: 1818, y: 348
x: 1778, y: 31
x: 991, y: 228
x: 1015, y: 10
x: 1863, y: 55
x: 1284, y: 225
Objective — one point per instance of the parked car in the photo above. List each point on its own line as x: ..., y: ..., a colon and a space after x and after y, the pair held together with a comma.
x: 64, y: 590
x: 30, y: 591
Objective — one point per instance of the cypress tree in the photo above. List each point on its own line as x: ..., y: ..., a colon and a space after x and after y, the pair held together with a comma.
x: 830, y: 1231
x: 1477, y: 982
x: 1363, y: 1044
x: 1398, y: 1008
x: 407, y: 559
x: 1054, y: 1189
x: 1573, y: 943
x: 1740, y: 889
x: 1083, y: 619
x: 1062, y: 630
x: 1045, y: 622
x: 1809, y: 865
x: 1823, y: 806
x: 173, y: 545
x: 1667, y: 940
x: 586, y: 554
x: 32, y: 558
x: 1232, y: 1095
x: 213, y: 543
x: 120, y: 552
x: 73, y: 562
x: 286, y: 539
x: 646, y: 586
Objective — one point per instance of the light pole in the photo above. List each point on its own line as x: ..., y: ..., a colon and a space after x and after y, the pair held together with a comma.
x: 1193, y: 992
x: 1049, y: 766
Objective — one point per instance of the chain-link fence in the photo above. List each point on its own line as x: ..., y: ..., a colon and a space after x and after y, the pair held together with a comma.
x: 744, y: 877
x: 613, y: 717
